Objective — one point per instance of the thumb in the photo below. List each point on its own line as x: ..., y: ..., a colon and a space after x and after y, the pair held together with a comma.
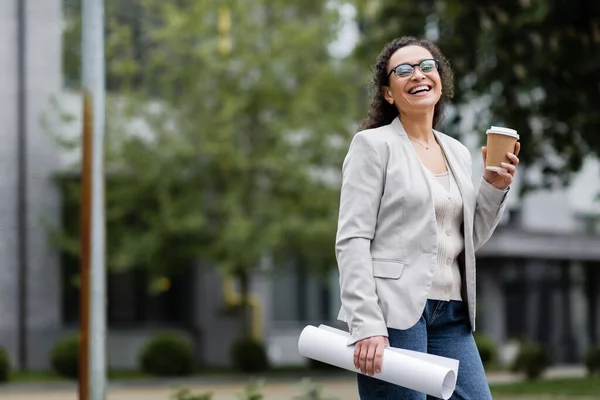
x: 484, y: 152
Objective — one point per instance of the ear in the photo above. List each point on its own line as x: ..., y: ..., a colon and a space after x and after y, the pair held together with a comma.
x: 387, y: 94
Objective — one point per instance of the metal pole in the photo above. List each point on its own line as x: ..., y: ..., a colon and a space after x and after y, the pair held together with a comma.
x: 84, y: 290
x: 22, y: 181
x: 93, y: 74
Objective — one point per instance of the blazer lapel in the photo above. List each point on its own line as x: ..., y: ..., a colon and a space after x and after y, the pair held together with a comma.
x: 452, y: 162
x: 414, y: 161
x: 459, y: 176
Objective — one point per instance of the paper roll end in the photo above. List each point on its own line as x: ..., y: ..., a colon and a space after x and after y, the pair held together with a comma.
x: 449, y: 385
x: 302, y: 341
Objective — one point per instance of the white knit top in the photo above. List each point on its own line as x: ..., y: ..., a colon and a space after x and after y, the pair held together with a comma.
x: 448, y: 206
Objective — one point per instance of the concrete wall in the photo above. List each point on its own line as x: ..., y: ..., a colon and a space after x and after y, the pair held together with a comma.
x: 8, y: 178
x: 43, y: 80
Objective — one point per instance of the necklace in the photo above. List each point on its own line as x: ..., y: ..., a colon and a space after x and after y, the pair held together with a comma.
x: 425, y: 146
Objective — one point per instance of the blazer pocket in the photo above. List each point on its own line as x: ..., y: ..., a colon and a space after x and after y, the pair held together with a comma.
x: 387, y: 269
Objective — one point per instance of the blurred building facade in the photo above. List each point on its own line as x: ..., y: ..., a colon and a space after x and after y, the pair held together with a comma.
x: 30, y: 73
x: 538, y: 276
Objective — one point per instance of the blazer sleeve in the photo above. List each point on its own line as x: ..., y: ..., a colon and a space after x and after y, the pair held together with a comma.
x: 360, y: 197
x: 489, y: 207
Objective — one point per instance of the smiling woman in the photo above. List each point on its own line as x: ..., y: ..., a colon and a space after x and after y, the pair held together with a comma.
x: 410, y: 221
x: 382, y: 112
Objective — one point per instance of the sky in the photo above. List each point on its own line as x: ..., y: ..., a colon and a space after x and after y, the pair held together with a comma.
x: 348, y: 35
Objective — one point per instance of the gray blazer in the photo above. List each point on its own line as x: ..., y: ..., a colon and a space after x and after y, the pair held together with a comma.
x: 386, y: 239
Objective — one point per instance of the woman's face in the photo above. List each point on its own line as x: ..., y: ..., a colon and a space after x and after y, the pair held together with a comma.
x: 415, y: 85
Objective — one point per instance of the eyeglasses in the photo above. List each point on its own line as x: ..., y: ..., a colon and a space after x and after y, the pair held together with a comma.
x: 405, y: 70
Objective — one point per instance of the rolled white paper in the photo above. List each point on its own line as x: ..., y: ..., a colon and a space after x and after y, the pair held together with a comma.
x: 426, y: 373
x: 446, y: 362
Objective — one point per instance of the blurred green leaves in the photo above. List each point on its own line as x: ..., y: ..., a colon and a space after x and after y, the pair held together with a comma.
x: 226, y: 157
x: 527, y: 64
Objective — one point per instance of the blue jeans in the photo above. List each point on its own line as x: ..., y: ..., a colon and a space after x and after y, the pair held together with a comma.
x: 444, y: 330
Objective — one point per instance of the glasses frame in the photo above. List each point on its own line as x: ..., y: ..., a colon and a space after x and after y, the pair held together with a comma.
x: 435, y: 60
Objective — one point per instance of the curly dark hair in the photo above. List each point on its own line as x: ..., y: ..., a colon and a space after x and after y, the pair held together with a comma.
x: 381, y: 112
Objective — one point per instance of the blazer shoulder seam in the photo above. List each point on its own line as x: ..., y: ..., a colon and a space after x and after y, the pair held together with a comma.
x: 367, y: 136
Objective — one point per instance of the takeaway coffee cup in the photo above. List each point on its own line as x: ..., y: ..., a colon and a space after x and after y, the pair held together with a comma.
x: 499, y: 142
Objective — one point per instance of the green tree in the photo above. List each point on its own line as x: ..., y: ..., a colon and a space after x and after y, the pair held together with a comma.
x: 532, y: 63
x: 229, y: 123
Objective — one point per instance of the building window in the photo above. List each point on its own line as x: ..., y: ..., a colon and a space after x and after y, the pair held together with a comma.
x: 299, y: 296
x: 130, y: 303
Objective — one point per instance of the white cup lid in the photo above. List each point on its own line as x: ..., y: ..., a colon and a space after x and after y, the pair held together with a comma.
x: 503, y: 131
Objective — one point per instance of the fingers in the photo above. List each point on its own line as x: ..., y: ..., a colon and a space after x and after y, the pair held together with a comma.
x: 508, y: 177
x: 510, y: 168
x: 357, y: 350
x: 362, y: 358
x: 370, y: 363
x: 368, y: 354
x: 378, y: 358
x: 513, y: 158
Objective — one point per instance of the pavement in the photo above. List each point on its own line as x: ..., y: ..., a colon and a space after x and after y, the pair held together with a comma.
x: 341, y: 386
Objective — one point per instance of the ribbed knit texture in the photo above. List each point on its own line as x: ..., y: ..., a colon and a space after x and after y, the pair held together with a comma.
x: 449, y: 215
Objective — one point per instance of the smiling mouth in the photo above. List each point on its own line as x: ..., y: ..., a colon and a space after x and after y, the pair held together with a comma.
x: 420, y: 89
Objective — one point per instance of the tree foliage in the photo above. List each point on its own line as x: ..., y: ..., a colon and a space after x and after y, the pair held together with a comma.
x: 531, y: 63
x: 225, y: 122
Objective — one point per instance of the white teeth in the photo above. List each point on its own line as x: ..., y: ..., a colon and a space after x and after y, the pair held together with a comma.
x: 414, y: 90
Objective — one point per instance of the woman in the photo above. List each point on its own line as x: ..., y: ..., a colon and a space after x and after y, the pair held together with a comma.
x: 410, y: 221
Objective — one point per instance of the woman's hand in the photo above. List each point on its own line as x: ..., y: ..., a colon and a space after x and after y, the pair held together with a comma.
x: 502, y: 180
x: 368, y: 354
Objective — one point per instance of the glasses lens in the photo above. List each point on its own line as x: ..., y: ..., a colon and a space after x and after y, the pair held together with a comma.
x: 404, y: 70
x: 427, y: 66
